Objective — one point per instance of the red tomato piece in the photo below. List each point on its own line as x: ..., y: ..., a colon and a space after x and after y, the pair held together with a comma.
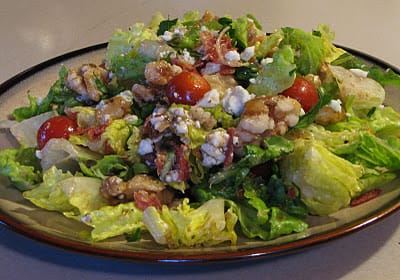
x: 187, y: 88
x: 304, y: 92
x: 55, y: 127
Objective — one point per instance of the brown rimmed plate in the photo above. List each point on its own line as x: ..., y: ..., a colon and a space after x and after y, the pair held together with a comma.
x: 54, y: 229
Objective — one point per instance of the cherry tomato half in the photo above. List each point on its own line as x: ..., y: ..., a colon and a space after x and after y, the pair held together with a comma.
x: 55, y: 127
x: 187, y: 88
x: 303, y: 91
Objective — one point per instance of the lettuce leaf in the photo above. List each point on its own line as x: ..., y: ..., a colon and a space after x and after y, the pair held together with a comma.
x: 21, y: 167
x: 327, y: 182
x: 276, y: 76
x: 275, y: 147
x: 385, y: 77
x: 375, y: 152
x: 116, y: 135
x: 110, y: 221
x: 186, y: 226
x: 59, y: 97
x: 107, y: 166
x: 267, y: 224
x: 64, y: 155
x: 63, y: 192
x: 26, y: 130
x: 312, y: 49
x: 123, y: 57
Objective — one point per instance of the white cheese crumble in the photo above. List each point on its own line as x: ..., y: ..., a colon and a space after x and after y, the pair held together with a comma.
x: 359, y: 72
x: 187, y: 57
x: 167, y: 36
x: 234, y: 100
x: 145, y: 146
x: 127, y: 95
x: 232, y: 56
x: 213, y: 150
x: 180, y: 31
x: 336, y: 105
x: 211, y: 68
x: 157, y: 120
x: 210, y: 99
x: 180, y: 122
x: 247, y: 53
x: 266, y: 61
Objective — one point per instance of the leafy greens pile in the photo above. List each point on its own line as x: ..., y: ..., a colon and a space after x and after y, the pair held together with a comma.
x: 267, y: 190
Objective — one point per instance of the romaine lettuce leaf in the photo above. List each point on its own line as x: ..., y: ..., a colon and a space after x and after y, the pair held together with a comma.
x: 21, y: 167
x: 186, y: 226
x: 64, y: 155
x: 384, y: 77
x: 310, y: 49
x: 107, y: 166
x: 63, y: 192
x: 276, y: 76
x: 267, y: 224
x: 110, y: 221
x: 275, y: 147
x: 26, y: 130
x: 327, y: 182
x: 123, y: 43
x: 331, y: 51
x: 123, y: 57
x: 59, y: 96
x: 269, y: 42
x: 375, y: 152
x: 385, y: 122
x: 116, y: 135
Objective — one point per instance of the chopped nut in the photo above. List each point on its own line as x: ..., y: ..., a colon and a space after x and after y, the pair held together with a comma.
x: 83, y: 81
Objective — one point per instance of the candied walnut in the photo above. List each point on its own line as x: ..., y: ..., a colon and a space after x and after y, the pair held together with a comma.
x: 327, y: 115
x: 113, y: 108
x: 160, y: 72
x: 115, y: 190
x: 83, y: 81
x: 143, y: 94
x: 267, y: 116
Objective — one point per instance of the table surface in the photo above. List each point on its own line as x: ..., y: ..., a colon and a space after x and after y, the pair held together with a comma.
x: 34, y: 31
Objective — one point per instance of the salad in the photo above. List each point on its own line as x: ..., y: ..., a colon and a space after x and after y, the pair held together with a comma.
x: 202, y: 128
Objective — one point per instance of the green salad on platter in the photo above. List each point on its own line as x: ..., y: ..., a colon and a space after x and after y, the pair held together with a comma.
x: 203, y: 128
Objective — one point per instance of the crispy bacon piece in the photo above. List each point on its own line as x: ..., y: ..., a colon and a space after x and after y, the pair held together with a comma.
x: 365, y: 197
x: 144, y: 199
x: 181, y: 163
x: 209, y: 42
x: 229, y: 148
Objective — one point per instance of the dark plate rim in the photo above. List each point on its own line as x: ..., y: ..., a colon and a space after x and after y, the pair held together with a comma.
x: 217, y: 257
